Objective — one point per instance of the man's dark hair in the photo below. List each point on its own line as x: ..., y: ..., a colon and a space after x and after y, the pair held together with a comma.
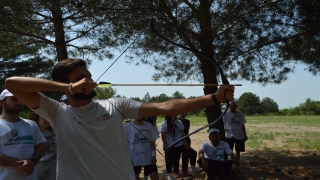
x: 63, y: 68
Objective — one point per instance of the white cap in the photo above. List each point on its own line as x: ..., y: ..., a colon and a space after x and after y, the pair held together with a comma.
x: 63, y: 97
x: 212, y: 130
x: 5, y: 93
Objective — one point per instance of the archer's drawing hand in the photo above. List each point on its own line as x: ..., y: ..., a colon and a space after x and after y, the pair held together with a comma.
x: 225, y: 93
x: 84, y: 86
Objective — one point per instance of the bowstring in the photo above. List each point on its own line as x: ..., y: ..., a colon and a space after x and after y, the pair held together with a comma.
x: 223, y: 78
x: 141, y: 32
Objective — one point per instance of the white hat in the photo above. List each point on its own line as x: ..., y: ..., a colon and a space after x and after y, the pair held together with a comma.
x: 212, y: 130
x: 5, y: 93
x: 63, y: 97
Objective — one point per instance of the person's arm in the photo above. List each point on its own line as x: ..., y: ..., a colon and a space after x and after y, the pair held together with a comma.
x: 235, y: 163
x: 204, y: 163
x: 185, y: 143
x: 27, y: 89
x: 164, y: 140
x: 8, y: 161
x: 153, y: 153
x: 27, y: 166
x: 245, y: 132
x: 177, y: 106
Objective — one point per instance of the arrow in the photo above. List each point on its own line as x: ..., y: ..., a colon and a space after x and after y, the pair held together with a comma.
x: 108, y: 84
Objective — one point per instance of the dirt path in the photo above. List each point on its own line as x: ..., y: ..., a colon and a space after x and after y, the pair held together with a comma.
x: 296, y: 164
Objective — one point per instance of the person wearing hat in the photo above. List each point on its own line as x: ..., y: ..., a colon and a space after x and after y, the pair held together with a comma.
x: 90, y: 134
x: 235, y: 129
x: 64, y: 99
x: 21, y: 142
x: 211, y: 156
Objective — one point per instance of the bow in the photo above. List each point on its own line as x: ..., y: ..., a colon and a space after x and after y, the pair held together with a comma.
x: 223, y: 78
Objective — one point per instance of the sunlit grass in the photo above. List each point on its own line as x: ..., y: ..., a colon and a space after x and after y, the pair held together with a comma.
x: 278, y: 133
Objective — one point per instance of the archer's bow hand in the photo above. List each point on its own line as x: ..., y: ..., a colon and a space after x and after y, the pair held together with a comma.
x: 224, y: 94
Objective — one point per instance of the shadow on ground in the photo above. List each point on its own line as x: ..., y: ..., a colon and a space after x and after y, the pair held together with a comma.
x: 272, y: 165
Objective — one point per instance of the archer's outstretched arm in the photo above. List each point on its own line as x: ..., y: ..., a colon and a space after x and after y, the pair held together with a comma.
x: 177, y: 106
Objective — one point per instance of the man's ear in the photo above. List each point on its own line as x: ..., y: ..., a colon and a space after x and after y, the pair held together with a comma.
x: 1, y: 102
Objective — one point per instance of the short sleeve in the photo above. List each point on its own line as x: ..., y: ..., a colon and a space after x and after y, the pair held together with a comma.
x: 163, y: 127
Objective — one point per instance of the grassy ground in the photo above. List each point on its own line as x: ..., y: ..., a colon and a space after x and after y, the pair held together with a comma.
x: 279, y: 147
x: 277, y: 132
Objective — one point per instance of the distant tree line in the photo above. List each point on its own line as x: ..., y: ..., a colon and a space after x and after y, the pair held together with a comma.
x: 248, y: 103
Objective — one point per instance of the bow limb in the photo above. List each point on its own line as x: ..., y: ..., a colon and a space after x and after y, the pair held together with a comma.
x: 210, y: 59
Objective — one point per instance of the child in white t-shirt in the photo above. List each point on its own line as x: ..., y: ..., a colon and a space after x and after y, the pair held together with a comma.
x: 211, y: 156
x: 141, y: 138
x: 172, y: 130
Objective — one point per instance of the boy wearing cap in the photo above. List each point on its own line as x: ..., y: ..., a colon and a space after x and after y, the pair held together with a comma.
x: 211, y: 156
x: 21, y: 142
x: 235, y: 130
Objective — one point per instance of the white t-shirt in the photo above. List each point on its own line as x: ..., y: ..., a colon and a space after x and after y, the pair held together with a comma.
x: 50, y: 145
x: 233, y: 125
x: 91, y: 138
x: 139, y: 145
x: 215, y: 153
x: 17, y: 140
x: 178, y: 132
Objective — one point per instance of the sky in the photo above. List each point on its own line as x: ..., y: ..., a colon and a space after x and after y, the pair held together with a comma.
x: 299, y: 86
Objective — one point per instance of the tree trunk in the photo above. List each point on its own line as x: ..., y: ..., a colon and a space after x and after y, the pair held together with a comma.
x: 209, y: 70
x: 60, y: 43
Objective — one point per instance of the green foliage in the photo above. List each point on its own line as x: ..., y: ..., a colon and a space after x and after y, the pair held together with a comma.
x: 161, y: 98
x: 306, y: 47
x: 34, y: 34
x: 243, y: 37
x: 105, y: 93
x: 146, y: 97
x: 177, y: 95
x: 310, y: 107
x: 249, y: 104
x: 268, y: 105
x: 136, y: 99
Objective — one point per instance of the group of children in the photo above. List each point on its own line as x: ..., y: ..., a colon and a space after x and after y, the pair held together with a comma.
x: 213, y: 154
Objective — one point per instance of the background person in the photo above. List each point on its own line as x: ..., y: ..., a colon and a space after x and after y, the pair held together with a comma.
x: 211, y: 156
x: 190, y: 154
x: 90, y: 134
x: 47, y: 165
x: 236, y: 134
x: 21, y: 142
x: 171, y: 131
x: 152, y: 120
x: 141, y: 137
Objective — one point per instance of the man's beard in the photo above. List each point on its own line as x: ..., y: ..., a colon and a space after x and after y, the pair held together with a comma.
x: 12, y: 111
x: 81, y: 96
